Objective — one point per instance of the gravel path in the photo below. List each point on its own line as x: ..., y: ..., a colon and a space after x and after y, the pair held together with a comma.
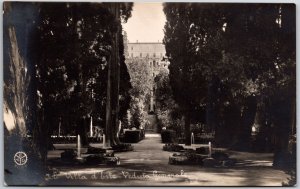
x: 148, y: 165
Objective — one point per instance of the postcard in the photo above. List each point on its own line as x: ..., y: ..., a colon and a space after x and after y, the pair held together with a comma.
x: 149, y: 94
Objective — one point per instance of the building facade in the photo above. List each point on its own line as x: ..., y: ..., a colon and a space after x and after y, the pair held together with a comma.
x: 146, y: 50
x: 154, y: 54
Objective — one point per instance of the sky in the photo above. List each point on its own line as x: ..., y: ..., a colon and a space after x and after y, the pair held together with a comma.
x: 146, y: 23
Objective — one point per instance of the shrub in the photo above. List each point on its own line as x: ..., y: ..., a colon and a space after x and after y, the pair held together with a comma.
x: 178, y: 158
x: 112, y: 160
x: 202, y: 150
x: 188, y: 157
x: 168, y: 136
x: 220, y: 156
x: 133, y: 136
x: 209, y: 162
x: 92, y: 150
x: 173, y: 147
x: 95, y: 159
x: 122, y: 148
x: 68, y: 154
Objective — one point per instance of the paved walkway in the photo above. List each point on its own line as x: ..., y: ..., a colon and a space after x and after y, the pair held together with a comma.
x: 148, y: 165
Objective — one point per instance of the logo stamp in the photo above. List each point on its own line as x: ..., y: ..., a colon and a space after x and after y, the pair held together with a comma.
x: 20, y: 158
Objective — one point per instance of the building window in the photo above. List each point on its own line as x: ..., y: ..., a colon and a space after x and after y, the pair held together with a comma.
x: 153, y: 54
x: 131, y: 55
x: 141, y: 54
x: 132, y: 48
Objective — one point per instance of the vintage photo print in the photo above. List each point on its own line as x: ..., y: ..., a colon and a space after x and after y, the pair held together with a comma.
x: 149, y: 94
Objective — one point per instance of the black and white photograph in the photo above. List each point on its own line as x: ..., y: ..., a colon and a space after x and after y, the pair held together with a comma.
x: 149, y: 94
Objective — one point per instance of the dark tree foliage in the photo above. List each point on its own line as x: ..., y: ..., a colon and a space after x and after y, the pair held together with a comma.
x: 167, y: 111
x: 125, y: 84
x: 184, y: 70
x: 74, y: 46
x: 232, y: 59
x: 142, y: 83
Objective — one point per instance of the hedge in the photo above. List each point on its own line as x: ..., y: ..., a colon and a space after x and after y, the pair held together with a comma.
x: 133, y: 136
x: 168, y: 136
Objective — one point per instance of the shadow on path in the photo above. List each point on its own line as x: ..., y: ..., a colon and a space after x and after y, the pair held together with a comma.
x: 148, y: 165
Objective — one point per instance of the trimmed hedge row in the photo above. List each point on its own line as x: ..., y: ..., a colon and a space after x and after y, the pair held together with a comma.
x: 130, y: 136
x: 172, y: 147
x: 70, y: 140
x: 133, y: 136
x: 168, y: 136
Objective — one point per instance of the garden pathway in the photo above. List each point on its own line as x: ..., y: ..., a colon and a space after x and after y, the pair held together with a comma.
x: 148, y: 165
